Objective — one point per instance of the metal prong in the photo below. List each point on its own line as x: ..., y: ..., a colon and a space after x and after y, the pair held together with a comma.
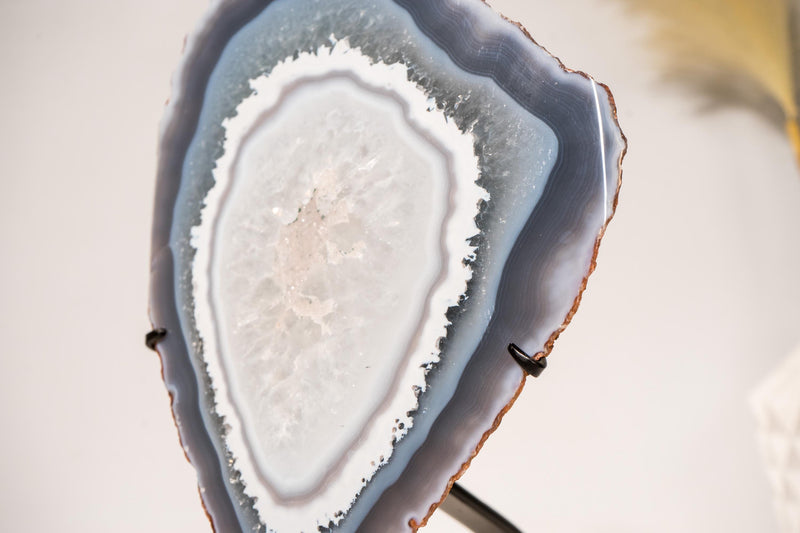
x: 532, y: 367
x: 154, y: 337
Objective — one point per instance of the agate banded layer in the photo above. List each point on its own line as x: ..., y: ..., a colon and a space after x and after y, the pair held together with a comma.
x: 359, y: 206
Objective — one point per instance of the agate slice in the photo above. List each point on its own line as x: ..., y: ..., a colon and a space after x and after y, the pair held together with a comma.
x: 359, y: 206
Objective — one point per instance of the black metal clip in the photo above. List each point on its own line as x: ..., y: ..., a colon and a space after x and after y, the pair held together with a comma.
x: 531, y: 366
x: 154, y: 337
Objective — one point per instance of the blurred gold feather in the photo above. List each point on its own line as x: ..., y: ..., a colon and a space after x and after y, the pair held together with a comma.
x: 725, y: 45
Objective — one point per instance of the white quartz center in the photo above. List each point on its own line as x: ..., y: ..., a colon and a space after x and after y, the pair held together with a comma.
x: 325, y: 254
x: 329, y: 252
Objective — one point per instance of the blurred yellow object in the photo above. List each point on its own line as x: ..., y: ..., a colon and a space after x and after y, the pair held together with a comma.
x: 719, y: 42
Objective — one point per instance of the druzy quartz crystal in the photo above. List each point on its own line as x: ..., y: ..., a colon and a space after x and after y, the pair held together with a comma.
x: 359, y: 206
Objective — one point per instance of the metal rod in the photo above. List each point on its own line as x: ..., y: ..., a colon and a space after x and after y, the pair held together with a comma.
x: 473, y: 513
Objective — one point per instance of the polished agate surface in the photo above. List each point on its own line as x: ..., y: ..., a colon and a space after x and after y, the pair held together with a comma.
x: 359, y: 206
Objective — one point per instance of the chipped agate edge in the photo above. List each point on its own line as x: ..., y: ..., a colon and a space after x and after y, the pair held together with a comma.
x: 448, y: 447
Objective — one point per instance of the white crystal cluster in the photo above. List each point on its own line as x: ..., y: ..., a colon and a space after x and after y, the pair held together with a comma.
x: 329, y: 250
x: 776, y: 404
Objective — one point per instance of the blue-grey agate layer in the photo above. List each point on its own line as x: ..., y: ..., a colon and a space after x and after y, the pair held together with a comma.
x: 549, y: 152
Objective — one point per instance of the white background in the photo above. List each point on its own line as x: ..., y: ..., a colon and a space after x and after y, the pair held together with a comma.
x: 641, y: 421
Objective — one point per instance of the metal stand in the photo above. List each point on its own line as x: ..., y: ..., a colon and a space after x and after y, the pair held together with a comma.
x: 473, y: 513
x: 460, y: 503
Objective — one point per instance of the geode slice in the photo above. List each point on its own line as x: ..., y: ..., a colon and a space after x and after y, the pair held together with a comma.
x: 359, y: 206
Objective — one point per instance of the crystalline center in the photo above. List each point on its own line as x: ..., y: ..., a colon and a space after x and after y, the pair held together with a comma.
x: 326, y: 257
x: 337, y: 234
